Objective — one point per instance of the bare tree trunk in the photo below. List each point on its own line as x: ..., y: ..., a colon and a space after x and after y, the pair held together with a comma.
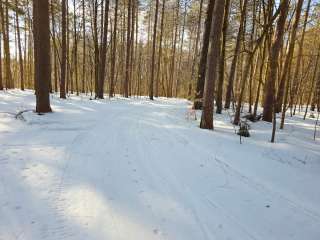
x: 274, y: 62
x: 160, y: 48
x: 222, y: 58
x: 103, y: 52
x: 236, y: 55
x: 213, y: 62
x: 84, y: 47
x: 196, y: 48
x: 42, y: 56
x: 173, y: 58
x: 295, y: 83
x: 63, y: 51
x: 254, y: 68
x: 19, y: 48
x: 204, y: 54
x: 313, y: 82
x: 114, y: 50
x: 75, y: 46
x: 53, y: 23
x: 5, y: 33
x: 68, y: 71
x: 256, y: 103
x: 288, y: 61
x: 151, y: 82
x: 96, y: 47
x: 128, y: 64
x: 132, y: 48
x: 181, y: 50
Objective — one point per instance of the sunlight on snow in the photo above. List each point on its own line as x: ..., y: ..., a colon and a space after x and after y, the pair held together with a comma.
x: 88, y: 208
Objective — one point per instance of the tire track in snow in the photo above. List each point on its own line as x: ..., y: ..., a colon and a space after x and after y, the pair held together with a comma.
x: 154, y: 173
x: 255, y: 186
x: 251, y: 182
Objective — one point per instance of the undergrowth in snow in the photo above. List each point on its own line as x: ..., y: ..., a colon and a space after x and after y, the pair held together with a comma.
x: 136, y: 169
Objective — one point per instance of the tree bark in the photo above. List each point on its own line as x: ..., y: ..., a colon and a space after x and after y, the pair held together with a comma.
x: 63, y: 50
x: 5, y: 33
x: 128, y: 53
x: 103, y: 52
x: 160, y: 49
x: 213, y: 61
x: 268, y: 102
x: 42, y: 56
x: 151, y: 82
x: 204, y: 54
x: 236, y: 55
x: 295, y: 83
x: 19, y: 48
x: 288, y: 60
x: 222, y: 58
x: 114, y: 50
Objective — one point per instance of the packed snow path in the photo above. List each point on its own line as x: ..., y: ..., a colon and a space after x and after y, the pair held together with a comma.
x: 135, y: 169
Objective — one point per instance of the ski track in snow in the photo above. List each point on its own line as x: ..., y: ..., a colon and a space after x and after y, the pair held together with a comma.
x: 135, y: 169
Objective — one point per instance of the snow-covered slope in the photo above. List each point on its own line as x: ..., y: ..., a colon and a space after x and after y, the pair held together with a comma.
x: 135, y: 169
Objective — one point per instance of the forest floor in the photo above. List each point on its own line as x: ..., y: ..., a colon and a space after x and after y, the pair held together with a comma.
x: 133, y: 169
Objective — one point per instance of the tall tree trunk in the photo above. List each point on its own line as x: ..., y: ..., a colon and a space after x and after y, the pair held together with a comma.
x: 269, y: 92
x: 204, y: 54
x: 222, y: 58
x: 313, y: 82
x: 19, y: 48
x: 84, y: 46
x: 114, y: 50
x: 53, y: 23
x: 213, y: 62
x: 103, y: 53
x: 42, y: 56
x: 132, y: 53
x: 288, y: 60
x: 295, y: 83
x: 160, y: 49
x: 96, y: 47
x: 151, y: 82
x: 236, y: 55
x: 181, y: 50
x: 63, y: 50
x: 261, y: 70
x: 69, y: 82
x: 173, y: 58
x: 196, y: 48
x: 254, y: 68
x: 5, y: 34
x: 75, y: 39
x: 128, y: 64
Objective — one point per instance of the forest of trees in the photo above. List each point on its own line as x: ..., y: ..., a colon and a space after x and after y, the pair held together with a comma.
x: 222, y: 54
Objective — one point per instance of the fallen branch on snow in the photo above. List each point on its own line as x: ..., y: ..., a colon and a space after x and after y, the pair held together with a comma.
x: 18, y: 115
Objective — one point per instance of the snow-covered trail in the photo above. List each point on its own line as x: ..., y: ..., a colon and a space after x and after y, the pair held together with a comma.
x: 135, y: 169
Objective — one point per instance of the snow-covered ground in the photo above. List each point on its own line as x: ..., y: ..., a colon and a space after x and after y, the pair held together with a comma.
x: 133, y: 169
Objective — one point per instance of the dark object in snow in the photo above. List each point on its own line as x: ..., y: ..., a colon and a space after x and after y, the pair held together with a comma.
x: 267, y: 206
x: 197, y: 105
x: 244, y: 129
x: 19, y: 115
x: 253, y: 118
x: 312, y: 115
